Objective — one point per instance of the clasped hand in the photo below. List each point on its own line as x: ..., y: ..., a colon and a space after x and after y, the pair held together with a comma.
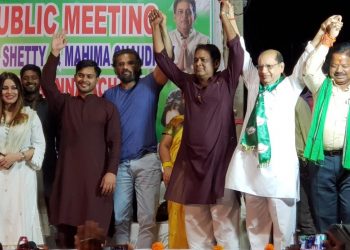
x: 7, y: 160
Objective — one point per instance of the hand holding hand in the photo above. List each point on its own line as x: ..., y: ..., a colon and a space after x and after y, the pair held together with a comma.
x: 334, y: 28
x: 59, y: 41
x: 108, y: 184
x: 8, y: 160
x: 164, y: 19
x: 155, y: 17
x: 226, y: 8
x: 329, y: 20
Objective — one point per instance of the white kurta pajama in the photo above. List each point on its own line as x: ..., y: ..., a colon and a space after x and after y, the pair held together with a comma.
x: 19, y: 214
x: 280, y: 178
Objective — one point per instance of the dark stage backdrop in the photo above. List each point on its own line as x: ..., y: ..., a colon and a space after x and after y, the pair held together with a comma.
x: 287, y: 25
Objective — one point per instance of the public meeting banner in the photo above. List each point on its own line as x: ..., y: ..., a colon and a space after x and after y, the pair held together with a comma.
x: 95, y: 30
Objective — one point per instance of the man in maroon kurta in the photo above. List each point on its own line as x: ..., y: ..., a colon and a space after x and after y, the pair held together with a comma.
x: 88, y: 149
x: 209, y: 138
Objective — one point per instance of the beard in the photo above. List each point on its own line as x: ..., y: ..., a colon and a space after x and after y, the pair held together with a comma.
x: 126, y: 79
x: 127, y: 76
x: 31, y: 88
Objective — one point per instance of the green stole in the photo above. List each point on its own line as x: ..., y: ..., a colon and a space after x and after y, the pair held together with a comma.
x: 314, y: 143
x: 256, y: 135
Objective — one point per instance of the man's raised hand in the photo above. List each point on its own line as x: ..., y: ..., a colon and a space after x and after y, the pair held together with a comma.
x: 59, y: 41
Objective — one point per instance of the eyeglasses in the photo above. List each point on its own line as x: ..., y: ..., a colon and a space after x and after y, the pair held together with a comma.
x: 268, y: 66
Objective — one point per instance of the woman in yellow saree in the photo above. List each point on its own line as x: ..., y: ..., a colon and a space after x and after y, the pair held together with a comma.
x: 168, y: 148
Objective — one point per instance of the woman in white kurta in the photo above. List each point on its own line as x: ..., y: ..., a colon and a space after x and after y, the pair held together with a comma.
x: 22, y: 147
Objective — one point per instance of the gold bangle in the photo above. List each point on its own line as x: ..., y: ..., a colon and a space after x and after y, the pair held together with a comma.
x: 167, y: 164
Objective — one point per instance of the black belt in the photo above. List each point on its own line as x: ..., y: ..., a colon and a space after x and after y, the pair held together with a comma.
x: 333, y: 152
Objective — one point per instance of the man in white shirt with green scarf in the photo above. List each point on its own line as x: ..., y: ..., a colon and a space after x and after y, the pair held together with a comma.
x: 265, y: 166
x: 327, y: 146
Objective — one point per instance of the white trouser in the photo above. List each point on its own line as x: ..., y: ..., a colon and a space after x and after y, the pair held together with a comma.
x: 207, y: 225
x: 263, y: 213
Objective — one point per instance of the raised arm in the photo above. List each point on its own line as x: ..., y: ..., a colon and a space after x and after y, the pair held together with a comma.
x: 158, y: 22
x: 165, y: 36
x: 297, y: 78
x: 323, y: 29
x: 249, y: 72
x: 59, y: 41
x: 48, y: 77
x: 161, y: 49
x: 313, y: 75
x: 155, y: 19
x: 228, y: 18
x: 236, y: 53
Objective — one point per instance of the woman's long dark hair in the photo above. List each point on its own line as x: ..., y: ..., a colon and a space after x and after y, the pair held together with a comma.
x: 16, y: 108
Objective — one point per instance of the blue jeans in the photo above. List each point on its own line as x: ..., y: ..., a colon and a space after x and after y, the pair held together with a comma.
x: 142, y: 176
x: 330, y: 193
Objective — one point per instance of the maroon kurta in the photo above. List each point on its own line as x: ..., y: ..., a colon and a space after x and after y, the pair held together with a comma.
x: 209, y: 135
x: 89, y: 147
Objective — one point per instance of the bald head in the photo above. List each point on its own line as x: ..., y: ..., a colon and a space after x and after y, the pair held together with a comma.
x: 273, y: 54
x: 270, y: 66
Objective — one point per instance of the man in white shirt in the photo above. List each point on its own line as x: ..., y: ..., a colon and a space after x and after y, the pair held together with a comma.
x: 265, y: 166
x: 327, y: 144
x: 185, y: 38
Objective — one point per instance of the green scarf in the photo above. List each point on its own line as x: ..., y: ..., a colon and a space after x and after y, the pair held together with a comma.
x: 314, y: 143
x: 256, y: 134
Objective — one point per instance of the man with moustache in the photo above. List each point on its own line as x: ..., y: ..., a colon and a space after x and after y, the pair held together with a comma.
x: 209, y: 138
x: 265, y: 166
x: 139, y: 171
x: 185, y: 38
x: 30, y: 78
x: 88, y: 149
x: 327, y: 146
